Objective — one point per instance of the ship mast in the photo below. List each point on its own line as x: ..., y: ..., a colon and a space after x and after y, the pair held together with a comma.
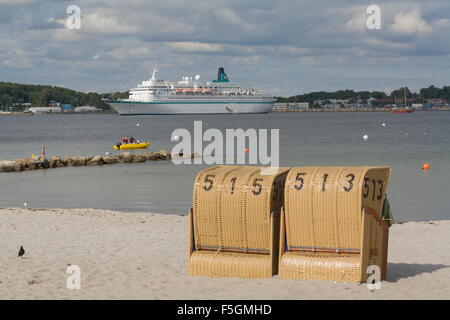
x: 154, y: 72
x: 405, y: 97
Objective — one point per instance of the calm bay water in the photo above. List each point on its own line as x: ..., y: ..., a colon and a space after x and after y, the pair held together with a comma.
x: 305, y: 139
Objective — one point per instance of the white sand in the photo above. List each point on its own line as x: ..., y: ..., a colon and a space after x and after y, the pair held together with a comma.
x: 144, y: 256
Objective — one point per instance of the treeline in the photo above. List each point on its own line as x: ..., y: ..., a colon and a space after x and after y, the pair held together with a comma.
x: 13, y: 95
x: 431, y: 92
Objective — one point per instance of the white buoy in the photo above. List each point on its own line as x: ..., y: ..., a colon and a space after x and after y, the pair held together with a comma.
x: 175, y: 138
x: 365, y: 137
x: 137, y: 124
x: 383, y: 124
x: 25, y: 205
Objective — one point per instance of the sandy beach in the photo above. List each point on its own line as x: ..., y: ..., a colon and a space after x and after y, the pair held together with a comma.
x: 144, y: 256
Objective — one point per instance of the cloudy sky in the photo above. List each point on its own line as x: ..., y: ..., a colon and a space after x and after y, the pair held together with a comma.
x: 284, y: 47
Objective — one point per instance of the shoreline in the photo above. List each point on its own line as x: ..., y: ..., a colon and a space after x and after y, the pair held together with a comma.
x: 135, y: 211
x: 273, y: 111
x: 139, y: 255
x: 354, y: 110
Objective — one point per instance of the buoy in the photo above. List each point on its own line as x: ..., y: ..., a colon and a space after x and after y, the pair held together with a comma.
x: 175, y: 138
x: 246, y: 150
x: 365, y: 137
x: 406, y: 134
x: 426, y: 166
x: 383, y: 124
x: 137, y: 124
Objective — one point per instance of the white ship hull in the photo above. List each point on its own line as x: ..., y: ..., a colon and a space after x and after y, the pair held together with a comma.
x: 149, y: 108
x: 191, y: 96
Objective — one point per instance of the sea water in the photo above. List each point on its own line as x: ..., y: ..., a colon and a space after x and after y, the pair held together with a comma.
x: 404, y: 143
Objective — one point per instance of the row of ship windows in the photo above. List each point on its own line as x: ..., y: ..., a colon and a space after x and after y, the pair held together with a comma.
x: 211, y: 97
x: 168, y: 88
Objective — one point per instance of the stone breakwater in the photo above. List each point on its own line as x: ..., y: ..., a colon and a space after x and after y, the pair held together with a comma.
x: 57, y: 162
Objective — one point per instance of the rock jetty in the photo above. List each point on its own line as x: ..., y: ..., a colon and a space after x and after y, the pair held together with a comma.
x: 57, y: 162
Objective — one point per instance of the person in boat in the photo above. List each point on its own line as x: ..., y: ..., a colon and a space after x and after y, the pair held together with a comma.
x: 124, y: 140
x: 132, y: 140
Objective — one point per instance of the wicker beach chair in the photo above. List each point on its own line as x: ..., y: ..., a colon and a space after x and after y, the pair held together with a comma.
x: 235, y: 222
x: 331, y: 225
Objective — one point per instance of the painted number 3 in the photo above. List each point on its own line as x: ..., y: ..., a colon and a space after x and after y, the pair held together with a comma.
x: 351, y: 177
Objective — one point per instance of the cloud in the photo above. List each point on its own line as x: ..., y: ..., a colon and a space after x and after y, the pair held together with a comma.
x: 442, y: 23
x: 263, y: 43
x: 95, y: 23
x: 378, y: 43
x: 308, y: 61
x: 191, y: 47
x: 231, y: 17
x: 357, y: 23
x: 127, y: 53
x: 18, y: 59
x: 17, y: 2
x: 410, y: 23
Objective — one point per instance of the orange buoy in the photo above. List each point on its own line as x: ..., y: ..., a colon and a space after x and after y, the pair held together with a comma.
x: 246, y: 150
x: 426, y: 166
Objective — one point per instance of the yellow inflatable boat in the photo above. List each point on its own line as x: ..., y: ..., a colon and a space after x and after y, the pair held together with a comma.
x: 128, y: 146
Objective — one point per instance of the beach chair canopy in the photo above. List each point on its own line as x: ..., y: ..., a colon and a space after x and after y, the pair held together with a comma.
x: 332, y: 227
x: 235, y: 222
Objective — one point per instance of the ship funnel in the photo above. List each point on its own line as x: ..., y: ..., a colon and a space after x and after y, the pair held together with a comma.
x: 221, y: 76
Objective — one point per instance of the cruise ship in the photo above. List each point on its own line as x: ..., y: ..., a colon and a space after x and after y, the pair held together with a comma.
x: 191, y: 96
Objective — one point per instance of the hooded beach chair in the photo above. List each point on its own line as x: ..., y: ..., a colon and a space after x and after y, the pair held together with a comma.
x: 331, y: 225
x: 235, y: 222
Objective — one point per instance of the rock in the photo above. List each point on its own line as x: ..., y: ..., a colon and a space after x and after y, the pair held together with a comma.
x: 152, y: 155
x: 61, y: 163
x: 95, y: 161
x: 10, y: 165
x: 126, y: 157
x: 76, y: 161
x: 164, y: 155
x: 111, y: 159
x: 55, y: 162
x: 29, y: 164
x: 44, y: 164
x: 139, y: 158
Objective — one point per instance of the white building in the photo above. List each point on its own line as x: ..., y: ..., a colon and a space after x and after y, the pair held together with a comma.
x: 44, y: 110
x: 291, y: 106
x: 302, y: 105
x: 87, y: 109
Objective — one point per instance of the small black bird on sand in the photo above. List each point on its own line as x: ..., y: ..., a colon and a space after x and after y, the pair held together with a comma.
x: 21, y: 252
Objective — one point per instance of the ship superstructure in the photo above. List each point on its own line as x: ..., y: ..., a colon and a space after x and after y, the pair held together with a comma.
x: 192, y: 96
